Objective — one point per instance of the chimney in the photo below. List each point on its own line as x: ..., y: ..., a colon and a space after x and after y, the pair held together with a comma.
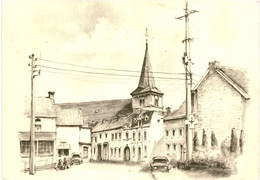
x: 51, y: 94
x: 213, y: 64
x: 168, y: 110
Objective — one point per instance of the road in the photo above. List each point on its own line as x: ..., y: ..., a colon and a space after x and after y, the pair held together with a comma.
x: 112, y: 171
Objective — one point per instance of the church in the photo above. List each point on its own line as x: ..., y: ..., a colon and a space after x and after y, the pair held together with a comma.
x: 126, y: 129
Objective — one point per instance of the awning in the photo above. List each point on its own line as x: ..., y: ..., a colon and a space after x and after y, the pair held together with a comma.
x: 38, y: 135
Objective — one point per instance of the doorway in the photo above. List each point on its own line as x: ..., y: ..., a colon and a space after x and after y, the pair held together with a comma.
x: 105, y: 151
x: 139, y: 154
x: 99, y: 158
x: 127, y: 153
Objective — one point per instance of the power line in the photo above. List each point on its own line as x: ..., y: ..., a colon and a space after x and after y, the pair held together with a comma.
x: 107, y: 69
x: 110, y: 74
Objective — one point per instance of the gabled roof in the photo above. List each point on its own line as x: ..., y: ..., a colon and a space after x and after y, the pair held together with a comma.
x: 235, y: 77
x: 146, y: 81
x: 44, y: 107
x: 69, y: 117
x: 178, y: 113
x: 97, y: 111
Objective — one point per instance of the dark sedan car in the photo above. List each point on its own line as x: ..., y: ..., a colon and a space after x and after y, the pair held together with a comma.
x: 76, y: 159
x: 160, y: 163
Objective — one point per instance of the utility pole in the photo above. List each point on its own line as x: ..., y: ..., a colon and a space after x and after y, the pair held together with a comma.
x: 186, y: 60
x: 32, y: 126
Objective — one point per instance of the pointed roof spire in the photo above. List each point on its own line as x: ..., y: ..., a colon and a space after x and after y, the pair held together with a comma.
x: 146, y: 81
x: 146, y: 77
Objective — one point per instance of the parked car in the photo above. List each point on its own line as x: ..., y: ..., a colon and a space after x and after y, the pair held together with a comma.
x: 76, y: 158
x: 160, y: 163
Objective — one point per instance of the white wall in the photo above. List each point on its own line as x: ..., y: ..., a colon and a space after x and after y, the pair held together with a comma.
x: 72, y: 135
x: 85, y: 135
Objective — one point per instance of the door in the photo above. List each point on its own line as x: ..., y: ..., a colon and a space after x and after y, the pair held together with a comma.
x: 127, y: 154
x: 139, y: 154
x: 85, y: 152
x: 99, y: 158
x: 181, y: 155
x: 105, y: 151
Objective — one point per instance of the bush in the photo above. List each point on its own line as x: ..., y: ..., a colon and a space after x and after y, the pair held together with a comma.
x: 195, y: 141
x: 233, y: 142
x: 214, y: 142
x: 241, y: 141
x: 204, y: 139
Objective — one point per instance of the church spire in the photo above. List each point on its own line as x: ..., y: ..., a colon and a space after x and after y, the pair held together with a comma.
x: 146, y: 77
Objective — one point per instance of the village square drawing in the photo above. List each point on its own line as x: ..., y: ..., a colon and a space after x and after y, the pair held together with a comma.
x: 124, y: 91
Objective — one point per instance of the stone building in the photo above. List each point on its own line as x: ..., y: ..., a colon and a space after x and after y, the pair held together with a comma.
x: 220, y: 100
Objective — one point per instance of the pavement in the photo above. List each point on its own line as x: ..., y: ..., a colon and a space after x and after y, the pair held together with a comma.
x: 113, y: 171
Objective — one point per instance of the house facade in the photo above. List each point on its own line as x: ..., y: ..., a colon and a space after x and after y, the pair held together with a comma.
x: 45, y: 133
x: 174, y: 134
x: 220, y: 100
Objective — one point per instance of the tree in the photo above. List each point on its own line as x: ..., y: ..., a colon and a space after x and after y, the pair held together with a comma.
x: 214, y: 142
x: 233, y: 142
x: 195, y: 141
x: 241, y: 141
x: 204, y: 139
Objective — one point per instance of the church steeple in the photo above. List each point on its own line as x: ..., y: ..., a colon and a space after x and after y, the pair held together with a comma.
x: 146, y: 94
x: 146, y: 77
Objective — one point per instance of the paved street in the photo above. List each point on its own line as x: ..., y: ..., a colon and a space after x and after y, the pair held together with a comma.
x: 100, y: 171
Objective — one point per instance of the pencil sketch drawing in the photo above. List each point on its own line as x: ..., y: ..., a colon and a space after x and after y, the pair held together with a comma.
x: 130, y: 89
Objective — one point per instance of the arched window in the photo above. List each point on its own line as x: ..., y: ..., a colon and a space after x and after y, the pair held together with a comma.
x: 133, y: 136
x: 133, y: 151
x: 145, y: 135
x: 156, y: 101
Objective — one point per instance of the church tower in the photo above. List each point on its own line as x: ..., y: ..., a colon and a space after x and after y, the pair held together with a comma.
x: 146, y: 95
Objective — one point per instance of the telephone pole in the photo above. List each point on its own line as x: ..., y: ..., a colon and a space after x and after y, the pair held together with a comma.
x: 186, y: 60
x: 32, y: 126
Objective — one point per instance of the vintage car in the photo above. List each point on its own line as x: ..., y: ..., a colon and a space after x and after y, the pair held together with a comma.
x: 76, y: 158
x: 160, y: 163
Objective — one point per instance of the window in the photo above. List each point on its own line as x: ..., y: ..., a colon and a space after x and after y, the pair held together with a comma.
x: 45, y: 147
x: 145, y: 135
x: 119, y: 136
x: 133, y: 151
x: 38, y: 126
x: 168, y: 147
x: 139, y: 136
x: 116, y: 136
x: 63, y: 152
x: 106, y: 135
x: 133, y: 136
x: 25, y: 146
x: 180, y: 132
x: 145, y: 151
x: 95, y: 139
x: 167, y: 133
x: 111, y: 152
x: 100, y: 136
x: 126, y: 135
x: 112, y: 137
x: 115, y: 152
x: 141, y: 102
x: 174, y: 147
x: 173, y: 132
x: 119, y: 152
x: 156, y: 101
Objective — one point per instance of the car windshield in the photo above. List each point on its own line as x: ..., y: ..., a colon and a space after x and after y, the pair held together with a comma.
x: 160, y: 160
x: 75, y: 156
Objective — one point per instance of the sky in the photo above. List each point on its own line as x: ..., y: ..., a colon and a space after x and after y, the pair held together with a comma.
x: 111, y: 35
